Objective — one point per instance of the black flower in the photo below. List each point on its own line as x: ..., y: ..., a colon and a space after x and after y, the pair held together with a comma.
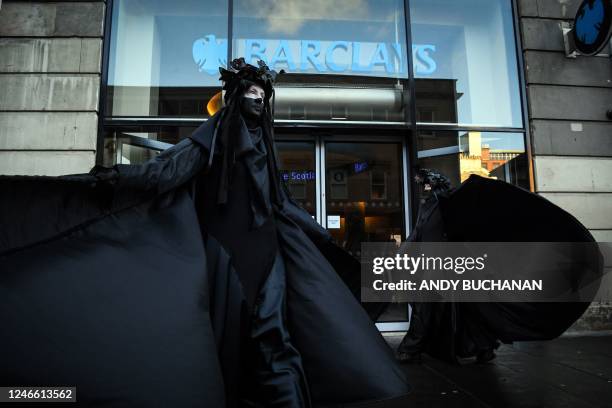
x: 240, y: 70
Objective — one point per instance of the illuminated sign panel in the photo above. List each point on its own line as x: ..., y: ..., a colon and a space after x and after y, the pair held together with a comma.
x: 310, y: 56
x: 298, y: 175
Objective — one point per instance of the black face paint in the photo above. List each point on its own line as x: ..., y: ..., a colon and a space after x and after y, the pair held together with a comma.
x: 251, y: 108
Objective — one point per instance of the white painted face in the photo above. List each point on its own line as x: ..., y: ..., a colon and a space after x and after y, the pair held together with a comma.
x: 255, y: 92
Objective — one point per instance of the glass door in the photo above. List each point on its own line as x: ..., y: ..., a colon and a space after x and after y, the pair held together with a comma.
x: 364, y: 201
x: 361, y: 197
x: 363, y: 193
x: 298, y: 169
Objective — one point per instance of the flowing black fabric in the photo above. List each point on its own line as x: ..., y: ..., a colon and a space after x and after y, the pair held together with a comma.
x: 486, y: 210
x: 344, y: 355
x: 278, y: 374
x: 243, y: 225
x: 330, y: 329
x: 114, y: 302
x: 122, y: 283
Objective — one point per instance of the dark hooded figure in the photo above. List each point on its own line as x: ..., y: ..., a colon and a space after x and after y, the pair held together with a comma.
x: 235, y: 205
x: 453, y: 331
x: 286, y: 281
x: 190, y: 280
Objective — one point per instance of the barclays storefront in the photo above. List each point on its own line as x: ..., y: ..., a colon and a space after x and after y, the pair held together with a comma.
x: 375, y: 88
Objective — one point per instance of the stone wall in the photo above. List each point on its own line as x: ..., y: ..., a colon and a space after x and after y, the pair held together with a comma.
x: 50, y: 64
x: 570, y: 131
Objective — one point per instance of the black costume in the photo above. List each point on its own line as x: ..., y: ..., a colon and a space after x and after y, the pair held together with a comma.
x: 195, y: 280
x: 245, y: 226
x: 486, y: 210
x: 190, y: 280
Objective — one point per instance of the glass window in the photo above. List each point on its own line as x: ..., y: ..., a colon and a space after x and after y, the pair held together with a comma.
x: 364, y: 200
x: 346, y: 99
x: 131, y: 153
x: 165, y: 56
x: 297, y: 167
x: 465, y: 62
x: 364, y: 193
x: 345, y: 59
x: 457, y: 155
x: 356, y: 37
x: 137, y: 144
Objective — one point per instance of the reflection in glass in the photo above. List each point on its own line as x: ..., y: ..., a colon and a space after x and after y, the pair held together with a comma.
x: 364, y: 193
x: 297, y: 167
x: 364, y: 199
x: 137, y: 144
x: 164, y: 56
x: 465, y: 62
x: 436, y: 100
x: 314, y: 98
x: 346, y: 59
x: 488, y: 154
x: 358, y: 37
x: 133, y: 154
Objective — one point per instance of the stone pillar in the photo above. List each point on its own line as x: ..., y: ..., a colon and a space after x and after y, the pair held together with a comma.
x: 571, y: 134
x: 50, y: 65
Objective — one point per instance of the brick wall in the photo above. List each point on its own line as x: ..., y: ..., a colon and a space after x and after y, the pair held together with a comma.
x: 50, y: 60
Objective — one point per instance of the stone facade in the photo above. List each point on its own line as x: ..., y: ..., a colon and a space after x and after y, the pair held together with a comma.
x: 571, y: 134
x: 50, y: 64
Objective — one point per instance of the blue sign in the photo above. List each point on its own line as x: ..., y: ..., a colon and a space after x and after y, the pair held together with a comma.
x: 298, y: 176
x: 593, y: 26
x: 348, y: 57
x: 209, y: 54
x: 359, y: 167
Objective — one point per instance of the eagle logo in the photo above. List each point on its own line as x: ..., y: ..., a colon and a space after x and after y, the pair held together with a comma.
x: 589, y: 21
x: 209, y: 53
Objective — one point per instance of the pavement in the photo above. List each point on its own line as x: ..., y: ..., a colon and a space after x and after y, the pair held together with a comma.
x: 573, y: 371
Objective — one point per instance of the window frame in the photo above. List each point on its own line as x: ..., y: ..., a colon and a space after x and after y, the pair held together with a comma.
x: 406, y: 132
x: 409, y: 130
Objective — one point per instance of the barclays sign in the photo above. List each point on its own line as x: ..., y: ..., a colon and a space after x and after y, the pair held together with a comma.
x: 309, y: 56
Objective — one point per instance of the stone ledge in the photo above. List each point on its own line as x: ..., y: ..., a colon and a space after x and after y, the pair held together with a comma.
x: 593, y: 210
x: 49, y: 92
x: 48, y: 130
x: 61, y: 19
x: 41, y: 55
x: 541, y: 34
x: 573, y: 174
x: 569, y: 102
x: 45, y: 163
x: 571, y: 138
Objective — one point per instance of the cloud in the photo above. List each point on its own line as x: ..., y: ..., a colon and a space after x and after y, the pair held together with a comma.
x: 289, y: 16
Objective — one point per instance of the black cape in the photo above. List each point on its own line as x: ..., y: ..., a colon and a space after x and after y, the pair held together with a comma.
x: 110, y: 282
x: 487, y: 210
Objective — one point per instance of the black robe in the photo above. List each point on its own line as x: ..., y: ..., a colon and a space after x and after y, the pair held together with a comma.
x: 115, y: 282
x: 487, y: 210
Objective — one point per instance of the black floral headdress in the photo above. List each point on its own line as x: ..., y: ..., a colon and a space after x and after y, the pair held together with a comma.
x: 236, y: 81
x: 432, y: 180
x: 261, y: 75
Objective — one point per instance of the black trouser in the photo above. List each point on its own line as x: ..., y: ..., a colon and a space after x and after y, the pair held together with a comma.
x: 279, y: 379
